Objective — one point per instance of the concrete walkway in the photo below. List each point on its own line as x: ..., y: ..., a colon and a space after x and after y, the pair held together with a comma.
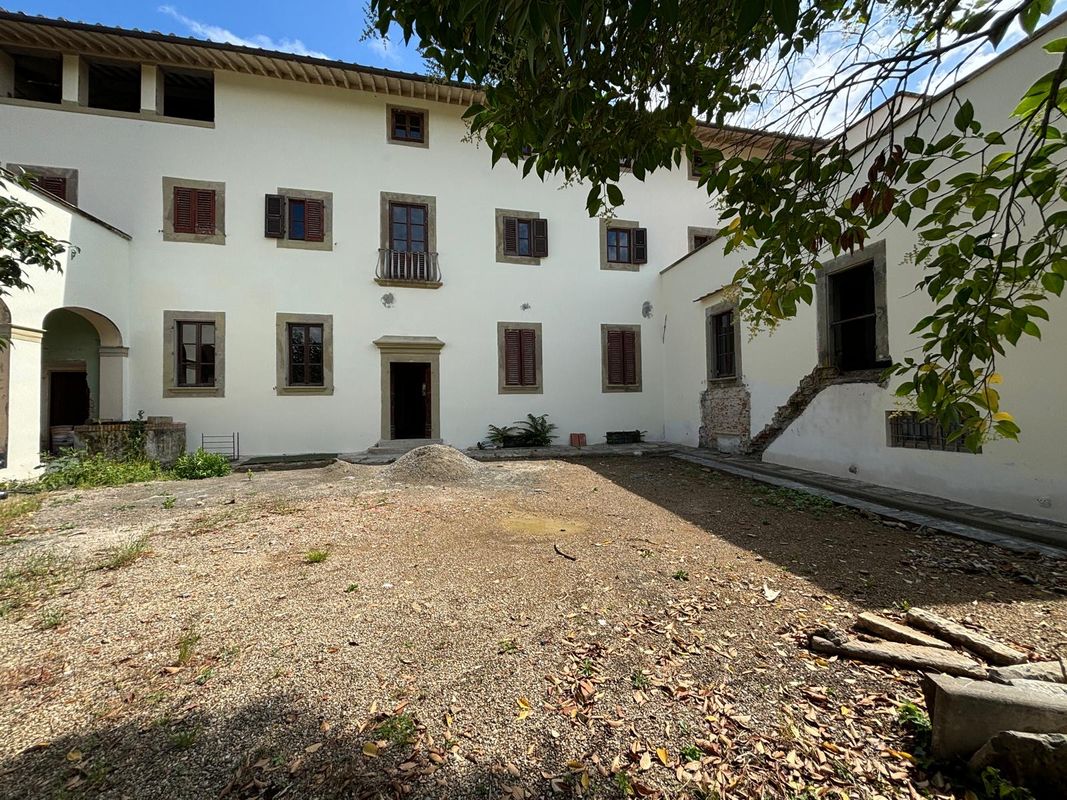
x: 982, y: 524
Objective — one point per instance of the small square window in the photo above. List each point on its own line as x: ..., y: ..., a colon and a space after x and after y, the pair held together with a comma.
x: 522, y: 237
x: 114, y: 87
x: 188, y: 95
x: 909, y: 430
x: 407, y: 126
x: 37, y: 77
x: 623, y: 245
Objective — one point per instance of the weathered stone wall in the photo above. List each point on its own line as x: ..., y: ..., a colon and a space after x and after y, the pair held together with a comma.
x: 164, y: 439
x: 725, y: 417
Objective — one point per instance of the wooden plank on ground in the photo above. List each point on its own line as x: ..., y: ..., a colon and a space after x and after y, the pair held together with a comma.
x: 991, y: 650
x: 926, y: 659
x: 895, y: 632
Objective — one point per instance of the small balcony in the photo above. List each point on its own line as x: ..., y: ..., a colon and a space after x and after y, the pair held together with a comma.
x: 404, y: 268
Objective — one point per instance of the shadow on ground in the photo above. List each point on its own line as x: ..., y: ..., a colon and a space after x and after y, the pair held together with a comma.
x: 842, y: 551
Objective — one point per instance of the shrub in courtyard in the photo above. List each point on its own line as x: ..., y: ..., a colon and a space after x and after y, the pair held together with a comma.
x: 534, y: 431
x: 80, y: 470
x: 194, y: 466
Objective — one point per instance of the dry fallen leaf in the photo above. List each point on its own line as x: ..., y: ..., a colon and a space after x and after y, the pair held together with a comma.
x: 525, y: 709
x: 770, y: 594
x: 370, y: 749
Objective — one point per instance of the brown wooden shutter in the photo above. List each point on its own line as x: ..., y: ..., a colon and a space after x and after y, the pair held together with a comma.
x: 511, y: 236
x: 528, y: 338
x: 616, y: 370
x: 274, y: 217
x: 640, y: 246
x: 205, y: 211
x: 629, y: 357
x: 184, y: 219
x: 53, y: 184
x: 540, y: 238
x: 512, y: 357
x: 314, y: 221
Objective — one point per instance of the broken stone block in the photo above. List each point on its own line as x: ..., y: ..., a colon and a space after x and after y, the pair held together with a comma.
x: 991, y: 650
x: 900, y: 655
x: 1051, y: 671
x: 895, y: 632
x: 1036, y: 761
x: 965, y: 714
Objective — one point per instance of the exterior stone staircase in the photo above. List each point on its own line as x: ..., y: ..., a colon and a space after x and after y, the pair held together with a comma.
x: 810, y: 386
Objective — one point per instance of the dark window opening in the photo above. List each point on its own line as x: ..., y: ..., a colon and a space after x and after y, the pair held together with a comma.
x: 622, y: 357
x: 408, y: 126
x: 699, y: 240
x: 196, y: 353
x: 194, y: 211
x: 852, y: 318
x: 305, y: 354
x: 407, y: 228
x: 410, y: 400
x: 53, y: 184
x: 520, y: 357
x: 38, y: 78
x: 296, y: 219
x: 907, y: 429
x: 525, y: 237
x: 724, y: 362
x: 115, y: 87
x: 189, y: 95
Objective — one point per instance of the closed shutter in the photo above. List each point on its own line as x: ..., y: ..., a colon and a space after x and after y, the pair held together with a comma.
x: 52, y: 184
x: 629, y: 358
x: 511, y: 236
x: 205, y: 211
x: 274, y: 217
x: 184, y: 219
x: 529, y: 357
x: 540, y: 238
x: 616, y: 370
x: 314, y: 221
x: 512, y: 357
x: 640, y: 246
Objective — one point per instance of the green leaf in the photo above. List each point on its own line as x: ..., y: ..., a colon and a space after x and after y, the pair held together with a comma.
x: 964, y: 116
x: 615, y: 195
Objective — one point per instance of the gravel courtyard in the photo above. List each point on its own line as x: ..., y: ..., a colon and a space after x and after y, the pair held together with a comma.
x: 601, y: 628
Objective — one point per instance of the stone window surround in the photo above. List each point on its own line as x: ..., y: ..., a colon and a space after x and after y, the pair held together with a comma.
x: 694, y: 231
x: 170, y: 354
x: 420, y: 199
x: 281, y: 327
x: 874, y: 252
x: 615, y: 265
x: 417, y: 350
x: 52, y: 172
x: 502, y: 387
x: 612, y: 388
x: 219, y: 236
x: 501, y: 257
x: 390, y: 108
x: 327, y: 212
x: 713, y: 311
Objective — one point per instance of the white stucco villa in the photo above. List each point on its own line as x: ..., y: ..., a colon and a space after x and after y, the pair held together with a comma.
x: 313, y: 255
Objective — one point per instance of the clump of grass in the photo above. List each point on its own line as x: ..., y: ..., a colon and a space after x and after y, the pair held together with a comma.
x: 124, y: 554
x: 35, y: 578
x: 316, y: 556
x: 398, y: 729
x: 914, y: 718
x: 200, y: 464
x: 169, y: 501
x: 681, y: 575
x: 80, y: 470
x: 51, y: 618
x: 507, y: 646
x: 184, y: 738
x: 639, y: 680
x: 352, y: 587
x: 187, y: 646
x: 691, y: 753
x: 16, y: 507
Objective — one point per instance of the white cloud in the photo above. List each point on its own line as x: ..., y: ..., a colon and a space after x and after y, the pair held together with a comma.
x: 214, y: 33
x: 384, y: 49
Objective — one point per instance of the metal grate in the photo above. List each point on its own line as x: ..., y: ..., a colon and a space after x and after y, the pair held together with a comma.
x: 907, y: 429
x: 228, y: 445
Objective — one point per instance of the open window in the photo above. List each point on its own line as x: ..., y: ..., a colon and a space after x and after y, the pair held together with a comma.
x: 853, y: 330
x: 521, y: 237
x: 113, y: 86
x: 187, y: 94
x: 623, y: 245
x: 723, y: 340
x: 35, y: 76
x: 299, y: 218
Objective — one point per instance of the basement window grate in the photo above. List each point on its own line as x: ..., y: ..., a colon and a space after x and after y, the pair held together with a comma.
x: 908, y: 430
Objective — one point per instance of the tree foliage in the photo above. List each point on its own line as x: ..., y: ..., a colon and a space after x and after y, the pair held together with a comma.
x: 22, y: 243
x: 577, y: 87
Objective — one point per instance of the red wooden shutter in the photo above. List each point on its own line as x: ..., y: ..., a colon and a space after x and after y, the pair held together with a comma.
x: 274, y: 217
x: 512, y: 357
x: 540, y: 238
x: 629, y: 357
x: 184, y: 220
x: 314, y: 221
x: 205, y: 211
x: 640, y: 246
x: 528, y: 338
x: 53, y: 184
x: 511, y: 236
x: 616, y: 370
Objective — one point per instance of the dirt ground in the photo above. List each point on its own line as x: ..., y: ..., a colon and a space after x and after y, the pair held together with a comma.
x: 602, y: 628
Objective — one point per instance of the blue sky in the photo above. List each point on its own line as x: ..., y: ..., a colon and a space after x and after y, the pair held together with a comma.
x: 333, y: 31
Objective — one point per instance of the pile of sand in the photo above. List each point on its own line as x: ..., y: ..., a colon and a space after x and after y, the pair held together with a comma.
x: 432, y: 464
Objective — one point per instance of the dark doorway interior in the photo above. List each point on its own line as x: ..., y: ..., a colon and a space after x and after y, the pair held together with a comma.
x: 852, y: 318
x: 68, y: 398
x: 409, y: 392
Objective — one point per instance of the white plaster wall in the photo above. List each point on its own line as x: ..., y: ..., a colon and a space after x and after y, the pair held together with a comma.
x: 96, y: 277
x: 272, y: 133
x: 845, y: 425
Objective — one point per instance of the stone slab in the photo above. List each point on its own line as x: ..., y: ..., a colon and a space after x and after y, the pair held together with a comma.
x: 1036, y: 761
x: 965, y: 714
x: 895, y: 632
x: 901, y: 655
x: 1051, y: 671
x: 993, y: 651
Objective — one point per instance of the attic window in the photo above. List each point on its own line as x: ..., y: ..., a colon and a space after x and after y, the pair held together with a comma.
x: 115, y: 87
x: 189, y: 95
x: 37, y: 77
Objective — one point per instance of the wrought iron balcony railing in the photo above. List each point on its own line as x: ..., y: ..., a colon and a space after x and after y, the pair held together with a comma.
x: 402, y: 266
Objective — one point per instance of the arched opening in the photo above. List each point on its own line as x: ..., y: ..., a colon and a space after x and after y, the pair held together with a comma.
x: 5, y: 379
x: 81, y: 373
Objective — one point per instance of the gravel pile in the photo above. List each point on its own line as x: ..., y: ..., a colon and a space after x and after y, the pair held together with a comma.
x: 433, y: 464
